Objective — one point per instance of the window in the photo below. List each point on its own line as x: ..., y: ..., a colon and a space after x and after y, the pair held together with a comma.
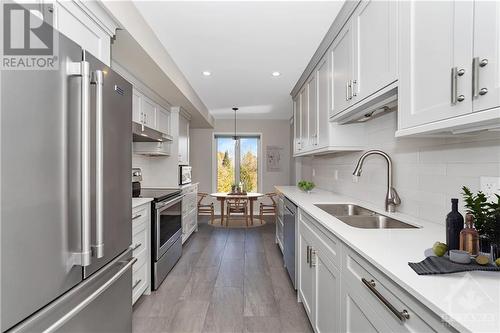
x: 237, y: 161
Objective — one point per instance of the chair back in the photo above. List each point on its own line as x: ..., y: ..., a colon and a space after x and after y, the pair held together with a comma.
x: 237, y: 203
x: 271, y: 196
x: 201, y: 196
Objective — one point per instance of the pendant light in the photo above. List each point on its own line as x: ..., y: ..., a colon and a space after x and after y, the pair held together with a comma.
x: 235, y: 137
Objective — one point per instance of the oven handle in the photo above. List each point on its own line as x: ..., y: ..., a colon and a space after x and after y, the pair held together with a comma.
x: 161, y: 206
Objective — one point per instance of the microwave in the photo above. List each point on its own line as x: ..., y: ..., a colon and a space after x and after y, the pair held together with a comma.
x: 184, y: 174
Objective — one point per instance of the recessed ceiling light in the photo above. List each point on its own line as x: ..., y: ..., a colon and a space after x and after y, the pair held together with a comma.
x: 206, y: 73
x: 275, y: 74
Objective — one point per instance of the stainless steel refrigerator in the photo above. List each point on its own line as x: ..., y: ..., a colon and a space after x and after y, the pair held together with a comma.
x: 66, y: 141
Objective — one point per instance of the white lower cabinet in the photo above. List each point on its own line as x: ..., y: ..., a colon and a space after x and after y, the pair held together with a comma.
x: 342, y: 292
x: 189, y: 211
x: 141, y: 250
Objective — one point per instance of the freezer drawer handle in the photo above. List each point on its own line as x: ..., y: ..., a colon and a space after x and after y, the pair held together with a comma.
x: 136, y: 246
x: 64, y: 319
x: 98, y: 247
x: 136, y: 284
x: 82, y: 69
x: 135, y: 217
x: 402, y: 315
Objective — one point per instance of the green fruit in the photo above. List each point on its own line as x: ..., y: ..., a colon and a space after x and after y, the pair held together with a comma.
x: 482, y: 260
x: 439, y: 249
x: 497, y: 262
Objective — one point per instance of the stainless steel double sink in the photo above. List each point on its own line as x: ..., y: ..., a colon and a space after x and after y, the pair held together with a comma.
x: 360, y: 217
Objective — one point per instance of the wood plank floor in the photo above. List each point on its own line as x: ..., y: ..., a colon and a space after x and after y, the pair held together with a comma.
x: 227, y: 280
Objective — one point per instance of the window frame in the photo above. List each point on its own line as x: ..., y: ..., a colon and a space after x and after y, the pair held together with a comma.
x: 237, y: 153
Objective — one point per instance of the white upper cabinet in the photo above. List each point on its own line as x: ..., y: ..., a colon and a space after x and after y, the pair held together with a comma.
x: 87, y: 24
x: 147, y: 112
x: 163, y: 120
x: 449, y: 67
x: 486, y: 55
x: 322, y: 87
x: 296, y: 124
x: 312, y: 106
x: 375, y: 49
x: 435, y: 80
x: 304, y: 118
x: 183, y: 140
x: 341, y: 57
x: 148, y: 108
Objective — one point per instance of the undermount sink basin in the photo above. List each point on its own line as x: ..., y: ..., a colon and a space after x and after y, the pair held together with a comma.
x: 360, y: 217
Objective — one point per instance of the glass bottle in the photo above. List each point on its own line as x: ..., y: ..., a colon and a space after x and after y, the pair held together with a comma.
x: 469, y: 237
x: 454, y: 224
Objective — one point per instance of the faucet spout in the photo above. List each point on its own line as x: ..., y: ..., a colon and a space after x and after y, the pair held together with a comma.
x: 392, y: 198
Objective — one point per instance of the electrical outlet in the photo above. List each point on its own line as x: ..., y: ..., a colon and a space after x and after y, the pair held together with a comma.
x: 490, y: 186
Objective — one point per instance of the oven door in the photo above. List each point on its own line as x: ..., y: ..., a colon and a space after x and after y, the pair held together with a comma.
x: 168, y: 225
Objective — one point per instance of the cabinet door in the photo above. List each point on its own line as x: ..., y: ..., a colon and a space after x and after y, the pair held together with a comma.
x: 327, y: 294
x: 487, y: 54
x: 375, y: 50
x: 356, y: 315
x: 322, y: 79
x: 148, y: 112
x: 341, y: 67
x: 163, y: 120
x: 136, y: 107
x: 183, y: 140
x: 296, y: 123
x: 312, y: 106
x: 72, y: 21
x: 304, y: 118
x: 435, y: 38
x: 306, y: 278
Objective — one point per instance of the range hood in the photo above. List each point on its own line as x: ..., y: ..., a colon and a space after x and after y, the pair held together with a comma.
x: 145, y: 134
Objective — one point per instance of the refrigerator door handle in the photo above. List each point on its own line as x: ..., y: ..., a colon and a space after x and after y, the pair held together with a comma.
x: 74, y: 311
x: 82, y: 69
x: 98, y: 247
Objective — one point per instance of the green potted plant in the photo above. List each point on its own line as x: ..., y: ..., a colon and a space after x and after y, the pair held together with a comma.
x: 306, y: 186
x: 487, y: 219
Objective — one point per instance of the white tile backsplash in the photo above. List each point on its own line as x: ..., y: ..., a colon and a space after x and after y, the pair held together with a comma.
x: 428, y: 172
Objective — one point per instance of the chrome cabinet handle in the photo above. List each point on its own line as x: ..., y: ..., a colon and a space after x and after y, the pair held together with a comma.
x: 82, y: 69
x: 135, y: 217
x: 354, y: 88
x: 455, y: 73
x: 136, y: 246
x: 136, y: 283
x: 98, y: 247
x: 308, y: 255
x: 402, y: 315
x: 349, y: 86
x: 475, y: 77
x: 75, y: 310
x: 347, y: 90
x: 312, y: 261
x: 483, y: 91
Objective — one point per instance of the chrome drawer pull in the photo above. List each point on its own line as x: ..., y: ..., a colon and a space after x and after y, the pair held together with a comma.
x: 136, y: 283
x: 308, y: 257
x: 135, y: 217
x: 402, y: 315
x: 136, y: 246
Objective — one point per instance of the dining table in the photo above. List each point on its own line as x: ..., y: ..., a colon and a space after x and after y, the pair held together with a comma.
x: 223, y: 196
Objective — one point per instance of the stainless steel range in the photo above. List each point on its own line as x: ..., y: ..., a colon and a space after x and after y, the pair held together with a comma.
x: 166, y: 226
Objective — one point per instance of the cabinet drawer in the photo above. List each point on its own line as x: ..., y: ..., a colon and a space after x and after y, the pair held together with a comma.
x: 326, y: 242
x: 189, y: 203
x: 139, y: 281
x: 139, y: 239
x: 189, y: 222
x: 140, y: 214
x: 420, y: 318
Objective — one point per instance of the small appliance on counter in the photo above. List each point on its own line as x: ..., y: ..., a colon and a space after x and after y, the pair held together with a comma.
x: 166, y: 227
x: 185, y: 174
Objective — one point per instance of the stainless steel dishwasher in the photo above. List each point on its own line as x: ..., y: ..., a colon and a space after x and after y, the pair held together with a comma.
x: 289, y: 236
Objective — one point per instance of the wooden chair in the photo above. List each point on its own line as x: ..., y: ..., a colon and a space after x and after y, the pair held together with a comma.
x: 237, y: 206
x: 268, y: 209
x: 205, y: 209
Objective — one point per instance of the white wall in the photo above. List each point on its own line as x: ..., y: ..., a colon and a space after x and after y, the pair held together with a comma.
x: 274, y: 133
x: 159, y: 171
x: 427, y: 172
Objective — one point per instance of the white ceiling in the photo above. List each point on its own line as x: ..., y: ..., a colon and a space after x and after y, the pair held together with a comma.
x: 241, y: 44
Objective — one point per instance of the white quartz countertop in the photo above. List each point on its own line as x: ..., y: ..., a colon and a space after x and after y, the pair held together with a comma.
x: 469, y: 301
x: 136, y: 202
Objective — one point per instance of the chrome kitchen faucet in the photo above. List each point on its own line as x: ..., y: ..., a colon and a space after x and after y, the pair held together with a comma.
x: 392, y: 198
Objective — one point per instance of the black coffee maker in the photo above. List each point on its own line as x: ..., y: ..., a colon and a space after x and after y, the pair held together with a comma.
x: 136, y: 182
